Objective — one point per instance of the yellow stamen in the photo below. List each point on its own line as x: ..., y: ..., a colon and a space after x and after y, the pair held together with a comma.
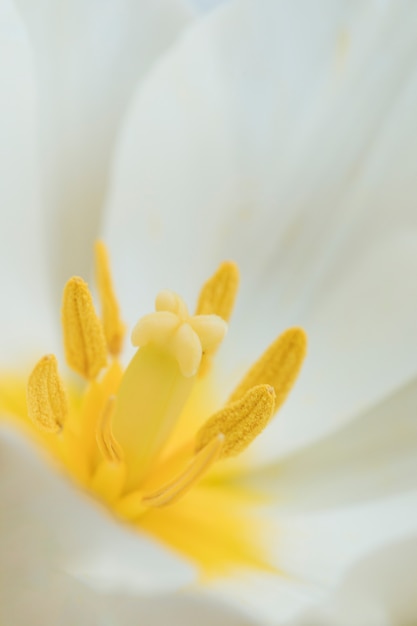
x: 84, y: 342
x: 106, y: 441
x: 114, y: 329
x: 133, y: 437
x: 219, y: 292
x: 47, y: 400
x: 177, y: 488
x: 239, y: 422
x: 279, y: 366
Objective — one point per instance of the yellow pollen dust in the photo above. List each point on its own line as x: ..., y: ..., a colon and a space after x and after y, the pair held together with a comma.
x: 132, y: 438
x: 47, y: 400
x: 84, y: 342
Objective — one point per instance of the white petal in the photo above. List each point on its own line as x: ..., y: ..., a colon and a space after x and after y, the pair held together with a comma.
x: 65, y: 561
x: 184, y: 609
x: 46, y: 524
x: 268, y: 599
x: 320, y: 547
x: 25, y: 324
x: 361, y: 337
x: 46, y: 597
x: 90, y: 55
x: 209, y: 133
x: 379, y: 591
x: 313, y: 552
x: 207, y: 5
x: 49, y: 597
x: 374, y: 455
x: 271, y: 134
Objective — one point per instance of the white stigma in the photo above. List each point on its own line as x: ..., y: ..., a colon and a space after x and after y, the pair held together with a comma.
x: 186, y: 337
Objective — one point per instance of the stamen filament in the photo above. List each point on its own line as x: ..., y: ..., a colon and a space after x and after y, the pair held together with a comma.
x: 106, y: 441
x: 177, y: 488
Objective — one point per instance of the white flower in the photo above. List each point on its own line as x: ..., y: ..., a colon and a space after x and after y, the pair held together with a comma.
x: 282, y: 136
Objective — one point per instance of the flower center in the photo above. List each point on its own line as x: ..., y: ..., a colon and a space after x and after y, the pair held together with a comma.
x: 120, y: 438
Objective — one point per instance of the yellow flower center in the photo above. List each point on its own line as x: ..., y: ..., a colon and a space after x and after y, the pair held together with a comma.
x: 135, y: 439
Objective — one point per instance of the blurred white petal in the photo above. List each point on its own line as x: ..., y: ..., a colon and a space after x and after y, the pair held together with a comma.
x: 373, y: 456
x: 305, y: 178
x: 313, y: 552
x: 187, y: 608
x: 207, y: 5
x: 64, y: 559
x: 268, y: 599
x: 56, y: 598
x: 89, y: 58
x: 320, y: 547
x: 282, y: 136
x: 367, y: 596
x: 52, y: 524
x: 25, y: 307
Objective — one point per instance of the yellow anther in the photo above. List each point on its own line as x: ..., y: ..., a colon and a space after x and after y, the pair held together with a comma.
x: 239, y: 422
x: 279, y: 366
x: 219, y: 292
x: 114, y: 329
x: 177, y: 488
x: 106, y: 441
x: 47, y: 401
x: 84, y: 342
